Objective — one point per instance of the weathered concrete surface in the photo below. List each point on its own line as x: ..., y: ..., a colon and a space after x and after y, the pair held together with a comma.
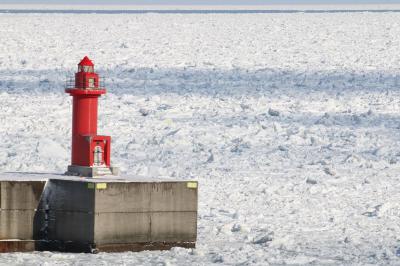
x: 161, y: 211
x: 124, y: 197
x: 173, y: 226
x: 145, y: 197
x: 16, y: 224
x: 20, y: 195
x: 19, y: 201
x: 173, y: 196
x: 122, y: 227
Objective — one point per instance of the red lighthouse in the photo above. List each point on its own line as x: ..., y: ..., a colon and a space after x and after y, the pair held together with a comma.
x: 90, y: 154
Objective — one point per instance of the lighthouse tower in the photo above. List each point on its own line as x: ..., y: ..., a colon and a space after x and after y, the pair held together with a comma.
x: 90, y: 155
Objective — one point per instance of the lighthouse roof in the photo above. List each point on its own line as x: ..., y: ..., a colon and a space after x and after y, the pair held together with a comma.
x: 86, y: 62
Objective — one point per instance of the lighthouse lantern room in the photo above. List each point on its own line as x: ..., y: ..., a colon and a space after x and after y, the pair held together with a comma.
x: 90, y: 153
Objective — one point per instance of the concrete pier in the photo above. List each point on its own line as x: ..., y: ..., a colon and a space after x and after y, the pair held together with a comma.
x: 90, y: 215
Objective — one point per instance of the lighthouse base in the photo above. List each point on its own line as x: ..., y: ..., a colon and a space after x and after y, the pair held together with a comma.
x: 95, y: 171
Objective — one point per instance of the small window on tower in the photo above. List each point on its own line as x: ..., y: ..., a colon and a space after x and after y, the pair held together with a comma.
x: 91, y: 83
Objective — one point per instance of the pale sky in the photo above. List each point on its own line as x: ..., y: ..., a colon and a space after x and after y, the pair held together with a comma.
x: 198, y: 2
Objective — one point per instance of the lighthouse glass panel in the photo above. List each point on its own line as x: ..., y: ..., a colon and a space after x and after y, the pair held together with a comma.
x: 85, y: 69
x: 88, y: 69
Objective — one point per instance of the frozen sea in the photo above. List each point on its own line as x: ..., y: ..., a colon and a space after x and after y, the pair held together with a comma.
x: 289, y: 121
